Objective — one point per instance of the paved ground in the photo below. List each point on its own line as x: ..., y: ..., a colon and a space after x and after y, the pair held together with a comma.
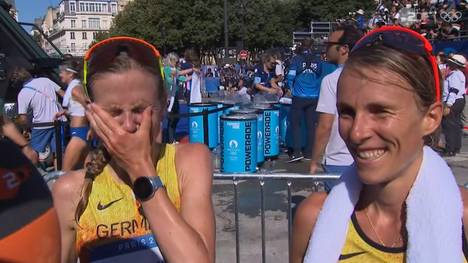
x: 275, y: 215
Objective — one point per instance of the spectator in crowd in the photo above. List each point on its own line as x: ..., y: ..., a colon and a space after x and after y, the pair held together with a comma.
x: 74, y: 102
x: 209, y: 73
x: 265, y: 76
x: 279, y: 70
x: 132, y: 177
x: 171, y: 76
x: 454, y: 104
x: 186, y: 63
x: 399, y: 196
x: 327, y: 139
x: 38, y: 96
x: 229, y: 78
x: 361, y: 20
x: 438, y: 20
x: 304, y: 77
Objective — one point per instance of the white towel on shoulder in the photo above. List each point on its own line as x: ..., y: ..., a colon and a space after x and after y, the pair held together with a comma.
x: 434, y: 216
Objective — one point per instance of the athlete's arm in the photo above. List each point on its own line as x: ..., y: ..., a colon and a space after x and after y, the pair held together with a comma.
x: 304, y: 222
x: 188, y: 236
x: 66, y: 193
x: 322, y: 135
x: 78, y: 95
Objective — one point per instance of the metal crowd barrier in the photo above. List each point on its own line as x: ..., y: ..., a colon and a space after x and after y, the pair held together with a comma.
x: 262, y: 178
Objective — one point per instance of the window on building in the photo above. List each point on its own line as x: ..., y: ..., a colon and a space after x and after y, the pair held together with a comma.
x: 72, y: 7
x: 72, y: 35
x: 104, y: 7
x: 73, y: 47
x: 84, y: 36
x: 94, y: 23
x: 114, y: 8
x: 82, y: 7
x: 87, y: 7
x: 92, y: 7
x: 83, y: 23
x: 73, y: 23
x: 104, y: 24
x: 94, y: 35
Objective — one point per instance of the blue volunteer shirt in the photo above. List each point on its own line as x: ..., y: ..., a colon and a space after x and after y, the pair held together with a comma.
x: 263, y: 77
x: 306, y: 73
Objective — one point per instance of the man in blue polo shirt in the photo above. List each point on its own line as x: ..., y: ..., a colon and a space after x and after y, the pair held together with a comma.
x: 265, y: 81
x: 304, y: 78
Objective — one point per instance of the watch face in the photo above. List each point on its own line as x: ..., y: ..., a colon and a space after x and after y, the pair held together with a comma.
x: 142, y: 188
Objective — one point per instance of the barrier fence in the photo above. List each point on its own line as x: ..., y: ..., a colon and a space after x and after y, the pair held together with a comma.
x: 262, y: 178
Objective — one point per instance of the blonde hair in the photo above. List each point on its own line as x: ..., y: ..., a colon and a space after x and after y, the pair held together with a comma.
x: 171, y: 57
x: 100, y: 157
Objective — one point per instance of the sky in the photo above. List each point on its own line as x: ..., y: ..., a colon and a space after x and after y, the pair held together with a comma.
x: 30, y: 9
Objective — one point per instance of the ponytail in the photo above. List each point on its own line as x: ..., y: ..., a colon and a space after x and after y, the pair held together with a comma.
x: 99, y: 159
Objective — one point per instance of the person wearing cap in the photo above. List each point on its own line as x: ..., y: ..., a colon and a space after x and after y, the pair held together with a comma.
x: 137, y: 199
x: 38, y: 95
x: 454, y: 101
x: 74, y: 101
x: 361, y: 20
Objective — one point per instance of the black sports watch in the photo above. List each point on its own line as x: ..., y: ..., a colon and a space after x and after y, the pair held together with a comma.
x: 144, y: 187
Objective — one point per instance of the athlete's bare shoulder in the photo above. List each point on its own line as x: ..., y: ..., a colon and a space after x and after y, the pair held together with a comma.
x: 68, y: 187
x: 193, y: 161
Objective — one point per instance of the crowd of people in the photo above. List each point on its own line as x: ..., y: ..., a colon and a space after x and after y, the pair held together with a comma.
x: 434, y: 19
x: 372, y: 114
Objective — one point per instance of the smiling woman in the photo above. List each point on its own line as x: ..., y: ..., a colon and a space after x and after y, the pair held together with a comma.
x: 137, y: 199
x: 399, y: 201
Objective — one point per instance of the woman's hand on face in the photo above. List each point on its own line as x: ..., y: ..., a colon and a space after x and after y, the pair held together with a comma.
x: 130, y: 150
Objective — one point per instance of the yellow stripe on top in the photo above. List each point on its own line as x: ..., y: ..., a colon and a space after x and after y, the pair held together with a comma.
x: 113, y: 213
x: 359, y: 248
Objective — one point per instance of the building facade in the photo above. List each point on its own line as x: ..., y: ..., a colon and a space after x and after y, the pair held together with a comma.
x: 73, y: 25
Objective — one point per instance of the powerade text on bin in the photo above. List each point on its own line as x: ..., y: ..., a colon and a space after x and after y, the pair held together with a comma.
x: 259, y: 113
x: 197, y: 133
x: 270, y: 130
x: 238, y: 143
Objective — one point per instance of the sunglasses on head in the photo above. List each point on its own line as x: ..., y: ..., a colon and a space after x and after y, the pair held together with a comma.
x: 102, y: 54
x: 402, y: 39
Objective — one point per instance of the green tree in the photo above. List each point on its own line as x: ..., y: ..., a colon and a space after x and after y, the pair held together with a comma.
x: 171, y: 24
x: 176, y: 25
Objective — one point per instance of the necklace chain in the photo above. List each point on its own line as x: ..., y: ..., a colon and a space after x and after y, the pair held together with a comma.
x: 375, y: 231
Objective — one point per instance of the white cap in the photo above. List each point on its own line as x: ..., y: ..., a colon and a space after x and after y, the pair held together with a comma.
x: 458, y: 60
x: 360, y: 11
